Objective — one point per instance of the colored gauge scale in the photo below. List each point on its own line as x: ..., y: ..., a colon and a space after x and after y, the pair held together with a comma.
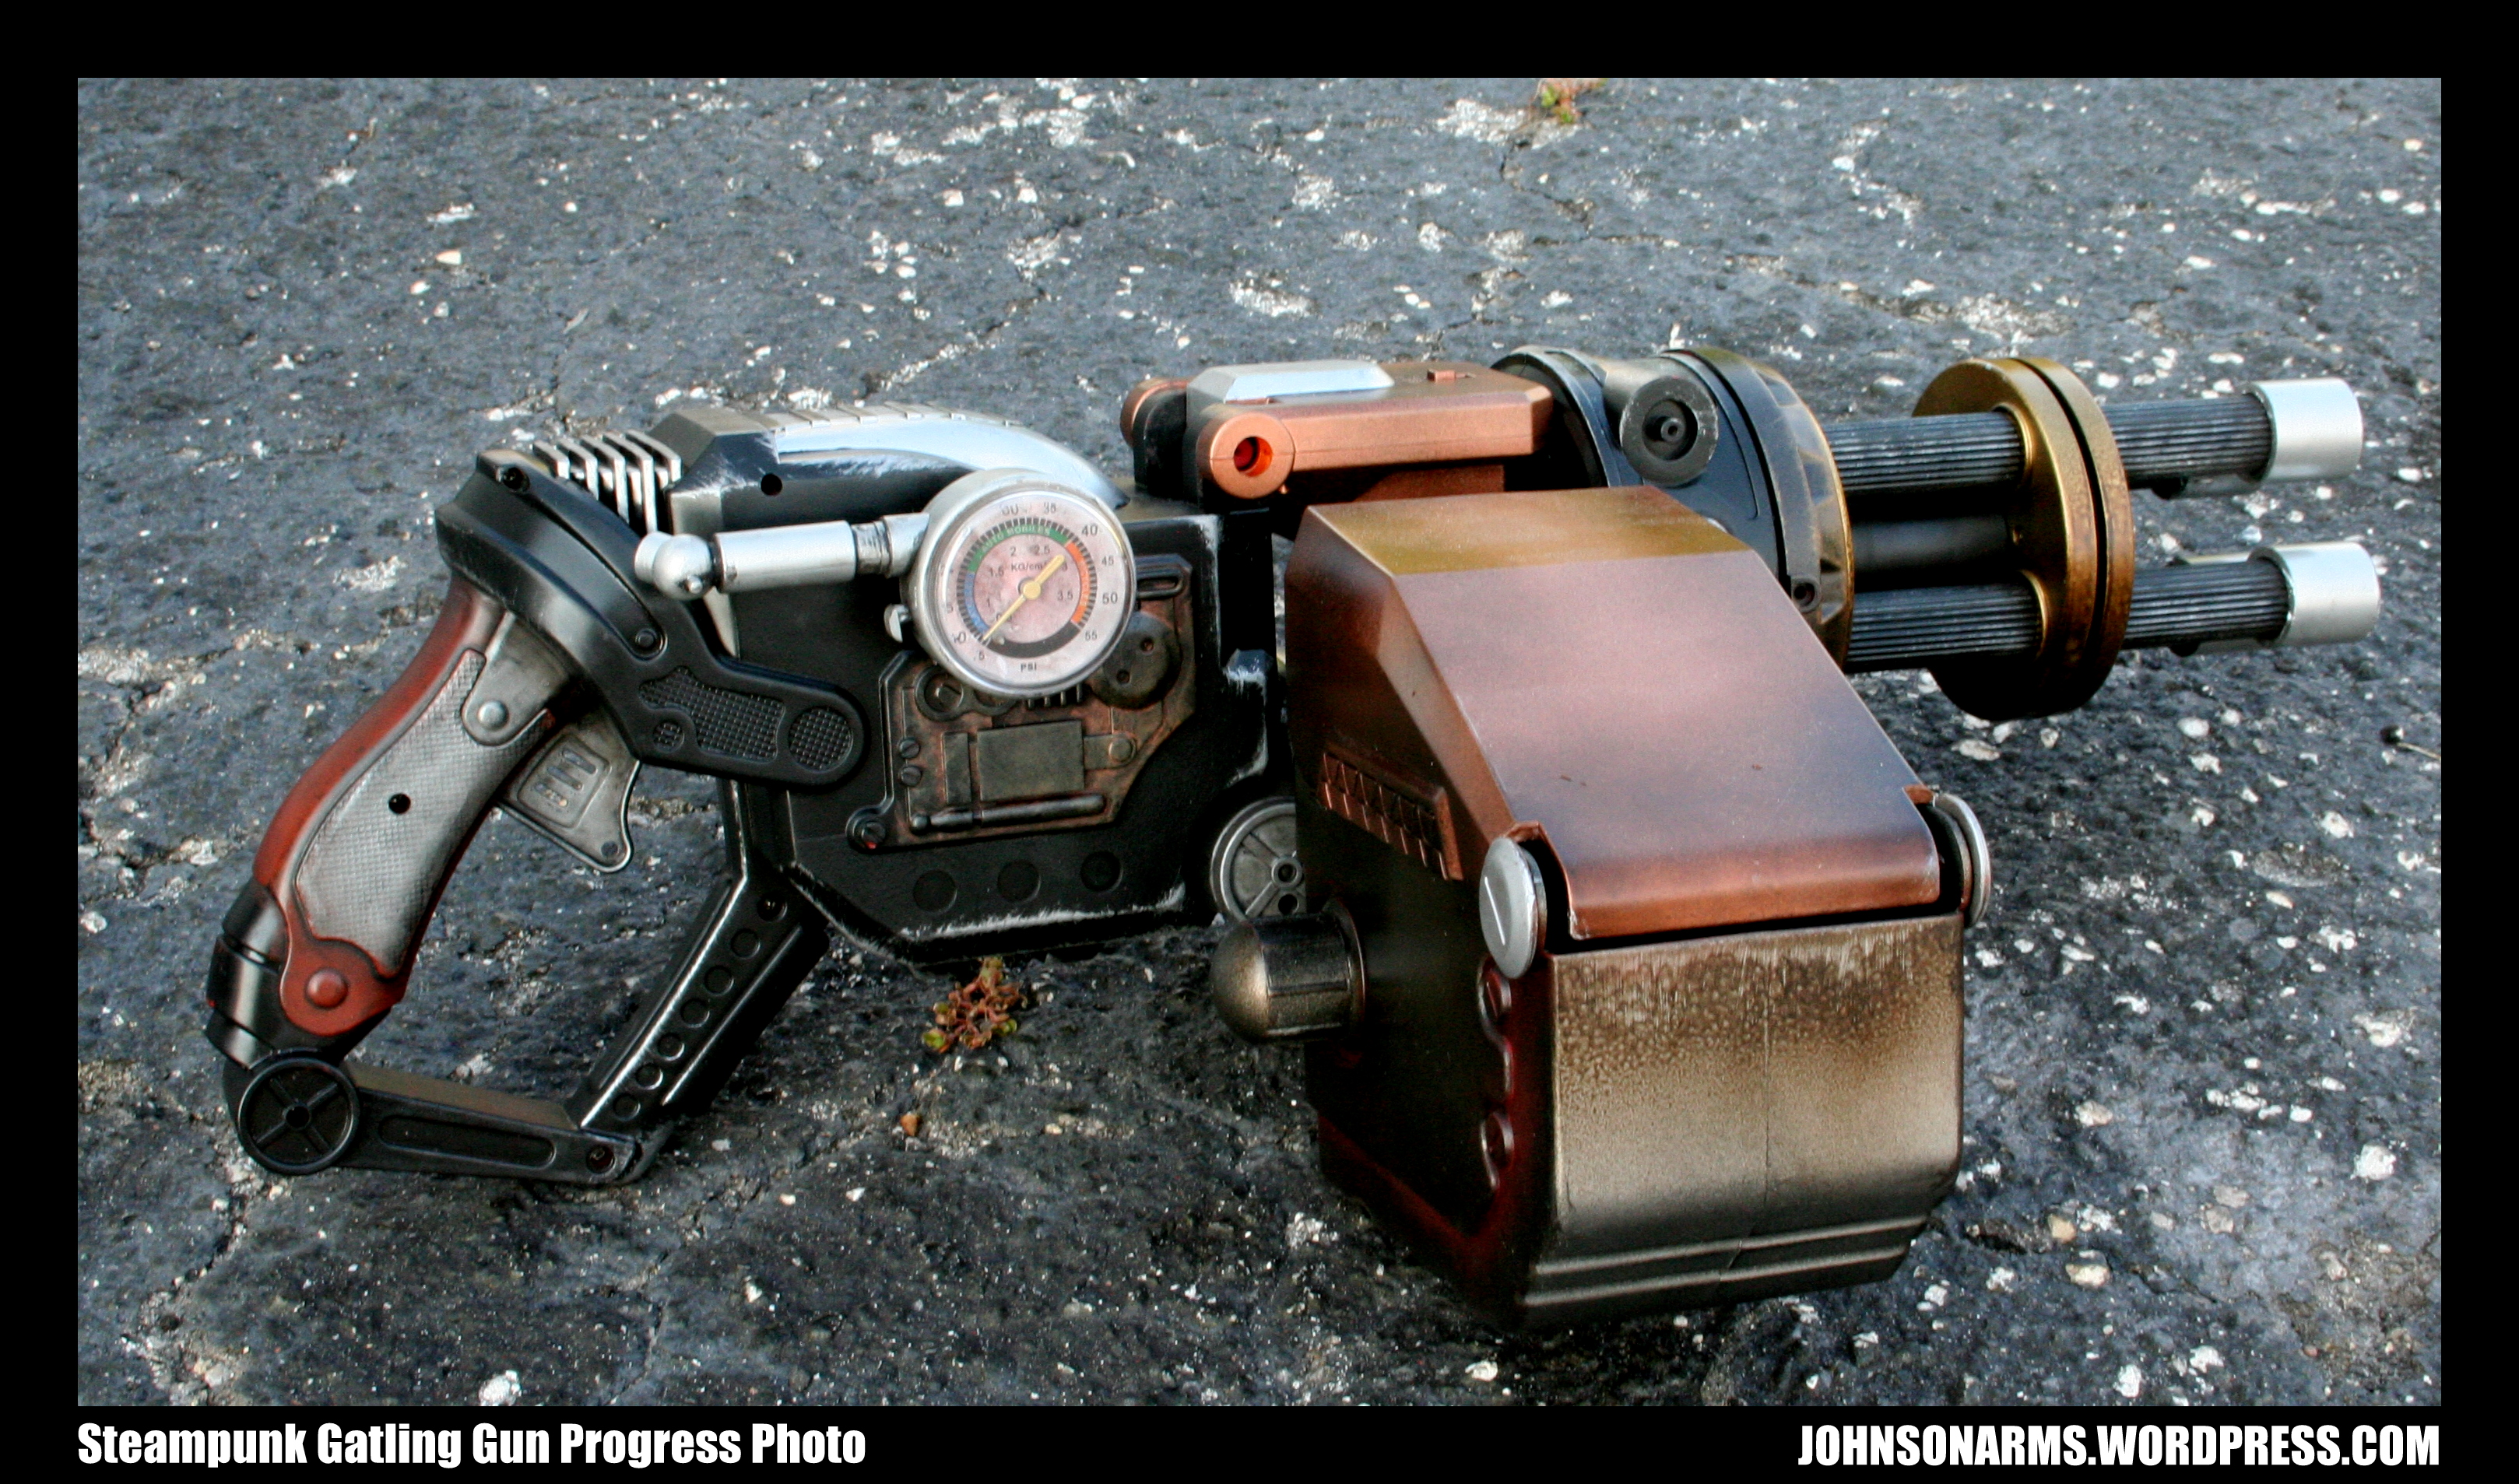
x: 1022, y: 585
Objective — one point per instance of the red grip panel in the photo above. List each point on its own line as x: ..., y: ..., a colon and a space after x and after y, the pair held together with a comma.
x: 364, y: 844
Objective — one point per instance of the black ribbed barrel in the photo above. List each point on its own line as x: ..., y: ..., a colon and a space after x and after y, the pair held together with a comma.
x: 2193, y: 604
x: 2174, y: 607
x: 2164, y: 446
x: 1916, y: 456
x: 1903, y: 628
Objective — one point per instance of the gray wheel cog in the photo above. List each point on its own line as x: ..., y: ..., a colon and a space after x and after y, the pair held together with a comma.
x: 1254, y: 871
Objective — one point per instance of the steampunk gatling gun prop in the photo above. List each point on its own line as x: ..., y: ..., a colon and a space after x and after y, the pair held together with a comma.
x: 1625, y: 947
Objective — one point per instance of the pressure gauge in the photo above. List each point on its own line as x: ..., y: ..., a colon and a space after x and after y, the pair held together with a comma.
x: 1021, y: 584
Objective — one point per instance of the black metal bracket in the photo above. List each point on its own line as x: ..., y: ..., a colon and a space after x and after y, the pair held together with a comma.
x: 551, y: 554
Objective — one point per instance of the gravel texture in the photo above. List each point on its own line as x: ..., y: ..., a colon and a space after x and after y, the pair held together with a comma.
x: 2203, y: 1095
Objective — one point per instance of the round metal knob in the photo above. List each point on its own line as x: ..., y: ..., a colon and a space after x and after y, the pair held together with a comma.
x: 1513, y: 907
x: 1288, y: 978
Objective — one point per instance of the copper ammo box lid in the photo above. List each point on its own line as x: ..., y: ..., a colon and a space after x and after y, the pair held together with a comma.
x: 1692, y: 762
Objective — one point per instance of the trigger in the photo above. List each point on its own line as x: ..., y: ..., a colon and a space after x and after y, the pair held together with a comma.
x: 577, y: 791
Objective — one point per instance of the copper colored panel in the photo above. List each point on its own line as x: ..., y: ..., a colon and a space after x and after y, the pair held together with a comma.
x: 1425, y: 480
x: 1435, y: 412
x: 1618, y: 678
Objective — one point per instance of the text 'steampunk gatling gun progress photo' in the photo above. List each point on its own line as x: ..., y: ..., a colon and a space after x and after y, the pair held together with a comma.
x: 1499, y: 714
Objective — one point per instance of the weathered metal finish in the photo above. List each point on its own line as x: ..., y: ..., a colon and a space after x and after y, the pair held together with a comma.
x: 1437, y: 411
x: 970, y: 764
x: 1685, y: 1124
x: 2072, y: 527
x: 1608, y: 673
x: 1741, y: 1110
x: 1817, y: 535
x: 1611, y: 684
x: 1288, y: 978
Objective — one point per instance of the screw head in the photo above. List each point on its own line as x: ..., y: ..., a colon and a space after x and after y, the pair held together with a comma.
x: 327, y: 989
x: 645, y: 640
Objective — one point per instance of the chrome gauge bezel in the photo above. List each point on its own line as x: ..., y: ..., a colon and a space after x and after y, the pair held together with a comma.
x: 966, y: 509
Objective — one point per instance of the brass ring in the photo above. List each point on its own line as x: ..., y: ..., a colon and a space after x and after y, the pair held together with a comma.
x: 2072, y: 530
x: 2112, y: 502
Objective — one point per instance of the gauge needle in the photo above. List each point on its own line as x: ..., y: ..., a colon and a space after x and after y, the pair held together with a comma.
x: 1025, y: 592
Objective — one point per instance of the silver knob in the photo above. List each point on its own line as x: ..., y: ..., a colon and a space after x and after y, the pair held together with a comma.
x: 1288, y: 978
x: 1513, y: 907
x: 684, y: 566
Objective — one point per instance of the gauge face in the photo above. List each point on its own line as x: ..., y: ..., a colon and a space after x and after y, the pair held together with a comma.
x: 1020, y: 587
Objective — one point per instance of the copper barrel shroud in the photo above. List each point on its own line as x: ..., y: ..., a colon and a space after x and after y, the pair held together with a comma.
x: 1697, y: 1092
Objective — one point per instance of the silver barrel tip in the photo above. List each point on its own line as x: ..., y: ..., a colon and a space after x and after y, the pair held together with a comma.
x: 2318, y: 428
x: 2334, y: 591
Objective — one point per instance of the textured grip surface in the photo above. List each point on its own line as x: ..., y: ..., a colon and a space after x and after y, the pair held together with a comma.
x: 364, y: 844
x: 373, y: 868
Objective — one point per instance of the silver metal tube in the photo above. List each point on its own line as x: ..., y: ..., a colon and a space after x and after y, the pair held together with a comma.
x: 780, y: 556
x: 2318, y: 428
x: 681, y: 566
x: 786, y: 557
x: 2334, y: 594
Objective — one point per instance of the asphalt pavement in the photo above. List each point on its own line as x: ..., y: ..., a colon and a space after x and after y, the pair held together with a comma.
x: 2202, y: 1106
